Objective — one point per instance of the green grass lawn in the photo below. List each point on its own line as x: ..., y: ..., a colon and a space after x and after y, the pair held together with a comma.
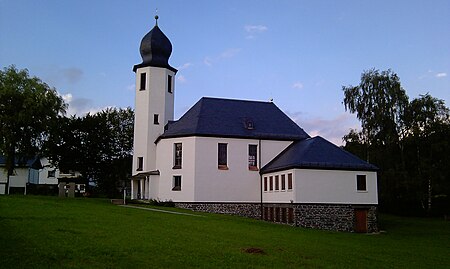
x: 48, y: 232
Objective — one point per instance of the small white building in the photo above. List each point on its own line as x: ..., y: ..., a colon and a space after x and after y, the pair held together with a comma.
x: 241, y: 157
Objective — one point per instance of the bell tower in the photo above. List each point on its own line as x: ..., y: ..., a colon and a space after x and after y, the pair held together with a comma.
x: 154, y: 103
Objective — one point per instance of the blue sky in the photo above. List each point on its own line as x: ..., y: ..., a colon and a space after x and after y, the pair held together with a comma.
x: 298, y: 53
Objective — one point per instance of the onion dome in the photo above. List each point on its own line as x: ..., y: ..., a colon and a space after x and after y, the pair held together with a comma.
x: 155, y: 49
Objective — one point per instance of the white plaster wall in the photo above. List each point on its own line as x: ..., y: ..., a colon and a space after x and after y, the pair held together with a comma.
x: 237, y: 184
x: 43, y: 173
x: 3, y: 177
x: 279, y: 196
x: 2, y: 180
x: 324, y: 186
x: 271, y: 148
x: 20, y: 178
x: 155, y: 99
x: 331, y: 186
x: 202, y: 181
x: 165, y: 162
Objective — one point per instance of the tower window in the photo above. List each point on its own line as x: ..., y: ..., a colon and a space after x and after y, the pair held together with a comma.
x: 143, y: 81
x: 176, y: 183
x: 169, y: 83
x: 178, y: 153
x: 155, y: 119
x: 140, y: 164
x: 222, y: 156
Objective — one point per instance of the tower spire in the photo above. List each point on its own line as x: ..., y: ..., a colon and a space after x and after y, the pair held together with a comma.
x: 156, y: 17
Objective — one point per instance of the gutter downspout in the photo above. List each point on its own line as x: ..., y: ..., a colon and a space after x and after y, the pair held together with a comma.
x: 260, y: 179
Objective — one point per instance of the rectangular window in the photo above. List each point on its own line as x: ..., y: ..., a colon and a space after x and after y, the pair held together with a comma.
x: 265, y: 183
x: 155, y: 119
x: 252, y: 157
x: 169, y: 83
x: 51, y: 173
x: 283, y: 182
x: 143, y: 81
x: 290, y: 181
x: 277, y: 214
x: 290, y: 215
x: 140, y: 164
x: 277, y: 183
x: 283, y: 214
x: 271, y: 214
x: 266, y: 213
x: 271, y: 183
x: 176, y: 183
x: 177, y: 155
x: 361, y: 183
x: 222, y: 158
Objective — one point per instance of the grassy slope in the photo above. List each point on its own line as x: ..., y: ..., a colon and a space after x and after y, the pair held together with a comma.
x: 47, y: 232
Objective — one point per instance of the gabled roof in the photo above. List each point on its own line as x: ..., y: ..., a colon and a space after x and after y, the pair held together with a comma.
x: 316, y: 153
x: 218, y: 117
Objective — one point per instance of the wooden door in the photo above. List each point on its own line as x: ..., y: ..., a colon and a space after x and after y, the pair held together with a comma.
x: 361, y: 220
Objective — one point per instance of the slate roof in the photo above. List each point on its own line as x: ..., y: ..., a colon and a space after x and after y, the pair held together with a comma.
x: 22, y: 162
x: 216, y: 117
x: 155, y: 50
x: 316, y: 153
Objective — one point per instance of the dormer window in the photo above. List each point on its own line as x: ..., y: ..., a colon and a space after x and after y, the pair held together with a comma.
x: 249, y: 125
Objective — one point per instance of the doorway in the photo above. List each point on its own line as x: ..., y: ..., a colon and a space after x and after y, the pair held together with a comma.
x: 361, y: 220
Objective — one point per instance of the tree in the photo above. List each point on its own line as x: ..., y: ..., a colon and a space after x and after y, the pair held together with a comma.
x: 28, y: 107
x: 408, y: 141
x: 379, y: 102
x: 427, y: 120
x: 97, y: 145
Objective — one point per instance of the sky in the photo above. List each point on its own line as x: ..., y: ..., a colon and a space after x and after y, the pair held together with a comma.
x: 298, y: 53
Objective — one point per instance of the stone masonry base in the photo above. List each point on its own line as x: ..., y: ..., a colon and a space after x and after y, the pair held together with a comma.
x: 336, y: 217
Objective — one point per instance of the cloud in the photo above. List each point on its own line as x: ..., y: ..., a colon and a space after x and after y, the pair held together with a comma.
x: 80, y: 106
x: 226, y: 54
x: 184, y: 66
x: 253, y: 30
x: 331, y: 129
x: 58, y: 76
x: 207, y: 61
x: 297, y: 85
x: 229, y: 53
x: 181, y: 79
x: 71, y: 74
x: 441, y: 75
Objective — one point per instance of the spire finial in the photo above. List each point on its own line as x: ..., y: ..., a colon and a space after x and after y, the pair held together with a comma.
x: 156, y: 17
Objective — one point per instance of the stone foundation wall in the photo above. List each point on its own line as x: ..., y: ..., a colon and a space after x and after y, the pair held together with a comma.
x: 250, y: 210
x: 336, y: 217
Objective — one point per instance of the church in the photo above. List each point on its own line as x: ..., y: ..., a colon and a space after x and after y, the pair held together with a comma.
x: 241, y: 157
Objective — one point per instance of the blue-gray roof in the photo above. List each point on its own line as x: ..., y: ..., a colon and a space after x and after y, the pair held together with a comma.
x: 316, y: 153
x: 218, y: 117
x: 22, y: 162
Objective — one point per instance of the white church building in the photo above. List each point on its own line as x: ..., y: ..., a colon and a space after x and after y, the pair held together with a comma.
x: 241, y: 157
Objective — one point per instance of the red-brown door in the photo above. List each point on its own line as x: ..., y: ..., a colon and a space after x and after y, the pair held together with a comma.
x: 361, y: 220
